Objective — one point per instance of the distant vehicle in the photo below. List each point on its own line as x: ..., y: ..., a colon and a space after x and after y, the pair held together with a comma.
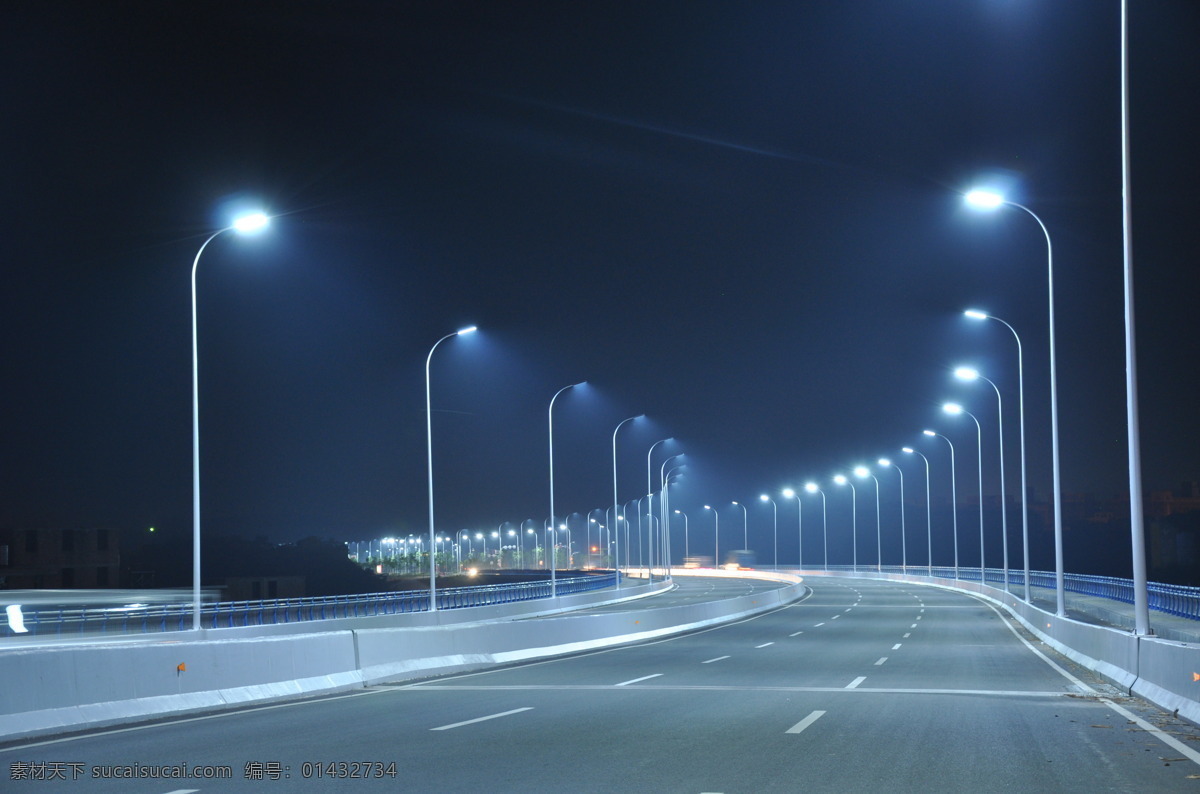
x: 740, y: 558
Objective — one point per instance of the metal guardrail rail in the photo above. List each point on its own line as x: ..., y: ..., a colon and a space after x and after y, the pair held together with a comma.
x: 1171, y: 599
x: 147, y: 619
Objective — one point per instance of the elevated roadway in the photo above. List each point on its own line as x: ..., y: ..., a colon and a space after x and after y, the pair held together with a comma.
x: 861, y: 685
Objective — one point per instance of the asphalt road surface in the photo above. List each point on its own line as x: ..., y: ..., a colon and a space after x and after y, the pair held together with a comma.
x: 862, y: 686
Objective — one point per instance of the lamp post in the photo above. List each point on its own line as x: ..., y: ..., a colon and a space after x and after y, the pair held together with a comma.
x: 953, y: 495
x: 616, y: 507
x: 841, y: 480
x: 978, y: 315
x: 649, y: 513
x: 765, y: 498
x: 928, y: 511
x: 1137, y: 532
x: 969, y: 374
x: 984, y: 199
x: 666, y: 478
x: 863, y: 471
x: 458, y: 535
x: 745, y: 526
x: 716, y: 537
x: 812, y: 488
x: 685, y: 534
x: 791, y: 494
x: 550, y: 422
x: 429, y: 454
x: 245, y: 224
x: 903, y: 541
x: 954, y: 409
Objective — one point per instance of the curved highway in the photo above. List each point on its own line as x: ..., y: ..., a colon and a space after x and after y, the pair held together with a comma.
x: 863, y: 685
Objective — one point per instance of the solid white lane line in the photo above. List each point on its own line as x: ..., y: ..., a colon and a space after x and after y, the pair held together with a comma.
x: 896, y: 647
x: 1158, y: 733
x: 765, y: 644
x: 710, y: 661
x: 795, y: 633
x: 714, y: 688
x: 643, y: 678
x: 854, y: 684
x: 804, y: 723
x: 882, y: 659
x: 482, y: 719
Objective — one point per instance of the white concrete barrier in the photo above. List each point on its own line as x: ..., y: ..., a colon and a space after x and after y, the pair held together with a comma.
x: 58, y: 687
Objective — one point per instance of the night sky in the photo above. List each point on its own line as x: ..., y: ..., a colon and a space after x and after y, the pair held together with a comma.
x: 743, y: 220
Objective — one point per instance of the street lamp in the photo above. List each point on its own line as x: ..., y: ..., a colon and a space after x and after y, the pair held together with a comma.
x: 978, y: 315
x: 650, y: 512
x: 811, y: 487
x: 840, y: 479
x: 969, y: 374
x: 666, y: 478
x: 550, y: 422
x: 863, y: 471
x: 745, y: 526
x: 989, y: 200
x: 903, y: 541
x: 766, y: 498
x: 716, y: 537
x: 791, y: 494
x: 954, y: 409
x: 429, y: 453
x: 244, y: 224
x: 616, y: 507
x: 685, y: 533
x: 953, y: 495
x: 928, y: 511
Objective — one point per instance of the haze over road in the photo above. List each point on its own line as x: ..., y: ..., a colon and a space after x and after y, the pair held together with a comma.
x: 863, y: 685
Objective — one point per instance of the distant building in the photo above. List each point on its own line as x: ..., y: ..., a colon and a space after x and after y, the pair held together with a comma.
x: 34, y: 559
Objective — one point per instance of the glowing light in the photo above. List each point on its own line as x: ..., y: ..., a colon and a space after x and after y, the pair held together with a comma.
x: 966, y: 373
x: 952, y: 408
x: 884, y: 462
x: 789, y: 493
x: 975, y: 314
x: 253, y: 222
x: 811, y: 487
x: 861, y: 471
x: 909, y: 450
x: 984, y: 199
x: 763, y: 497
x: 929, y: 433
x: 469, y: 330
x: 840, y: 479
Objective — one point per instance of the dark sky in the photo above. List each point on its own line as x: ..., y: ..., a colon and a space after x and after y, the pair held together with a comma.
x: 741, y: 219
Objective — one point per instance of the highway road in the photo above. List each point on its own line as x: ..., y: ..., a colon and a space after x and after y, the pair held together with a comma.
x: 862, y: 686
